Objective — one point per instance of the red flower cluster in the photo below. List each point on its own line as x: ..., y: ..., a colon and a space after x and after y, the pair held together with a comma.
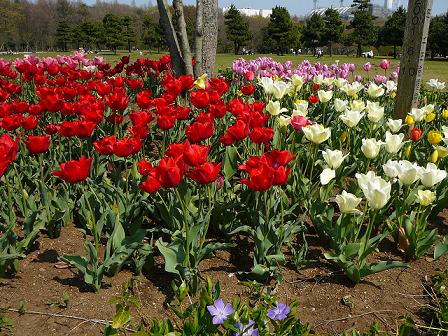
x: 267, y: 170
x: 181, y: 159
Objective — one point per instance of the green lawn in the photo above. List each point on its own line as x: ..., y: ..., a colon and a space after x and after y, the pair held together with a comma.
x: 433, y: 69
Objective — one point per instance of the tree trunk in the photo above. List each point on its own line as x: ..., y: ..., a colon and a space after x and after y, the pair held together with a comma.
x: 198, y: 37
x: 331, y: 49
x: 184, y: 45
x: 210, y: 35
x: 129, y: 45
x: 395, y: 51
x: 171, y: 38
x: 358, y: 50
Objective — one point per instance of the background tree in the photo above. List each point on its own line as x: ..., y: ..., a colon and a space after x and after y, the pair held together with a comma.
x: 113, y: 31
x: 237, y: 28
x: 313, y: 31
x: 392, y: 32
x: 128, y: 32
x: 151, y: 33
x: 281, y: 32
x: 364, y: 31
x: 63, y: 34
x: 438, y: 36
x: 332, y: 29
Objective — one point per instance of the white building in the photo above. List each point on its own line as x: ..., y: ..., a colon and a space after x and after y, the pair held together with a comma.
x: 251, y: 11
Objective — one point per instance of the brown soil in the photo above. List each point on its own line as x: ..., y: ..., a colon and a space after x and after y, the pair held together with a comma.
x: 383, y: 297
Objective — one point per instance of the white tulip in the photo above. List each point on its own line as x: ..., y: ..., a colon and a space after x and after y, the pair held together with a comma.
x: 377, y: 192
x: 297, y: 81
x: 435, y: 84
x: 273, y: 107
x: 318, y: 79
x: 371, y: 147
x: 431, y: 175
x: 284, y: 121
x: 340, y: 105
x: 417, y: 114
x: 364, y: 178
x: 391, y: 168
x: 340, y: 82
x: 390, y: 86
x: 351, y: 118
x: 316, y: 133
x: 408, y: 172
x: 348, y: 202
x: 328, y: 81
x: 267, y: 83
x: 374, y: 111
x: 358, y: 105
x: 300, y: 108
x: 394, y: 125
x: 327, y: 175
x: 324, y: 96
x: 333, y: 158
x: 374, y: 90
x: 394, y: 142
x: 279, y: 89
x: 425, y: 197
x: 427, y: 109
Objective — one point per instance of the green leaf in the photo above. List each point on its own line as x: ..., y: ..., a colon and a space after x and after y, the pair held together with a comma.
x: 122, y: 317
x: 441, y: 248
x: 230, y: 162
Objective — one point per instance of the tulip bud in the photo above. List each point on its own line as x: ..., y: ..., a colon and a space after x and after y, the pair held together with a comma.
x: 343, y: 136
x: 434, y: 156
x: 416, y: 134
x: 445, y: 114
x: 408, y: 151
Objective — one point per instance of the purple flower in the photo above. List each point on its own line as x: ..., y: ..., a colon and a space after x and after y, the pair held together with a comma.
x: 280, y: 312
x: 246, y: 330
x: 220, y: 311
x: 367, y: 66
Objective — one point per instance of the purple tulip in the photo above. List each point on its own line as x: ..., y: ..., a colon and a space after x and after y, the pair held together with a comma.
x: 367, y: 66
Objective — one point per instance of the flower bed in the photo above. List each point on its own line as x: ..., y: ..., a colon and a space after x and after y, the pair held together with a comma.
x: 146, y: 163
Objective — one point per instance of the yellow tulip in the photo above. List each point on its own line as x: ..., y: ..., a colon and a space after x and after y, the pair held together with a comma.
x: 343, y: 136
x: 239, y: 93
x: 434, y: 156
x: 408, y: 151
x: 434, y: 137
x: 409, y: 120
x: 430, y: 117
x: 445, y: 114
x: 393, y: 94
x: 200, y: 82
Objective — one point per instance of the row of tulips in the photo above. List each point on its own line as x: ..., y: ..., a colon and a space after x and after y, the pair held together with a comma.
x: 147, y: 161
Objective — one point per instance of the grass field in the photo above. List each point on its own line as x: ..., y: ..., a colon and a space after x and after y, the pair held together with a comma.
x: 433, y: 69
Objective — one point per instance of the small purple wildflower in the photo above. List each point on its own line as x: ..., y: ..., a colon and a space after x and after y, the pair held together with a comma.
x: 280, y: 312
x: 220, y: 311
x: 246, y: 330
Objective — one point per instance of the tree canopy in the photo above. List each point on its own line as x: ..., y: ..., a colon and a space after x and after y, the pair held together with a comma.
x: 237, y: 28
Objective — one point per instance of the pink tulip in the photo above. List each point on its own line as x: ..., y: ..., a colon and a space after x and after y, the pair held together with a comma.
x: 384, y: 64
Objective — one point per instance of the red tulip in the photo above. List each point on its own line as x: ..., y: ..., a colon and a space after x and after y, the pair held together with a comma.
x: 8, y: 151
x: 279, y: 157
x: 195, y: 155
x: 248, y: 89
x: 416, y: 134
x: 170, y: 171
x: 127, y: 146
x: 140, y: 118
x: 205, y: 173
x: 260, y: 178
x: 198, y: 131
x: 105, y: 146
x: 200, y: 99
x: 144, y: 99
x: 261, y: 135
x: 238, y: 131
x: 74, y: 171
x: 313, y: 99
x: 144, y: 167
x: 249, y: 75
x: 37, y: 144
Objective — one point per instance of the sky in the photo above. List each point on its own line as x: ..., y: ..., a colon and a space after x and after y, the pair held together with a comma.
x: 302, y: 7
